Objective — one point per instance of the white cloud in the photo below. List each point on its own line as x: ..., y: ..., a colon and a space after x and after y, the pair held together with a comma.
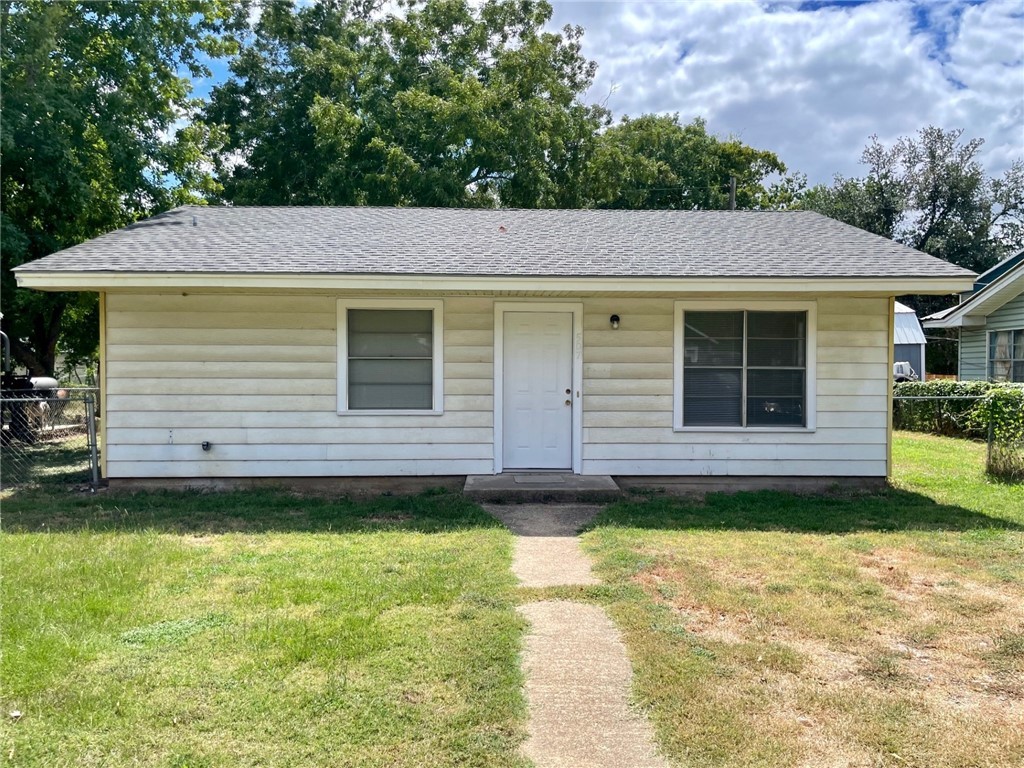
x: 813, y: 85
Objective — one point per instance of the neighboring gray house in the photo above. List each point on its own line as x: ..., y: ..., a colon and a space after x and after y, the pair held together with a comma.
x: 991, y: 322
x: 335, y: 342
x: 908, y: 339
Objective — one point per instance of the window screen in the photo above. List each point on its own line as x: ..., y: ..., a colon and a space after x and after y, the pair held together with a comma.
x: 390, y: 359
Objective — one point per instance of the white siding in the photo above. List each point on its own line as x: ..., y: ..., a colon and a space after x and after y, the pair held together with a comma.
x: 628, y: 399
x: 256, y: 376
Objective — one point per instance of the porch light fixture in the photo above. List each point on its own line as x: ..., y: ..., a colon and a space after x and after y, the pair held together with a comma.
x: 614, y: 320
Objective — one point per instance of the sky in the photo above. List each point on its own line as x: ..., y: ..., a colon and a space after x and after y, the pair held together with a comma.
x: 811, y: 81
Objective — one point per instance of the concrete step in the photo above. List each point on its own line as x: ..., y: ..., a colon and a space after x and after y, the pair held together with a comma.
x: 520, y: 487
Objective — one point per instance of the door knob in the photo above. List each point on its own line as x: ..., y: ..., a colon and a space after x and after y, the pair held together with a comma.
x: 568, y: 402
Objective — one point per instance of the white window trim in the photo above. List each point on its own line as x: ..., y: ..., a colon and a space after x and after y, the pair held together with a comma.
x: 437, y: 305
x: 988, y: 348
x: 810, y: 307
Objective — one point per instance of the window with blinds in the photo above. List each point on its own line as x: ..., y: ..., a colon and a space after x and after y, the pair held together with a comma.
x: 744, y: 368
x: 389, y: 356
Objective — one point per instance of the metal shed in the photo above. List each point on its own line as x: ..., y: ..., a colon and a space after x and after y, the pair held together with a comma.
x: 908, y: 339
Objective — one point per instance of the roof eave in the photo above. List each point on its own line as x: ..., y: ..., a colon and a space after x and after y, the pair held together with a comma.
x: 974, y: 310
x: 50, y: 280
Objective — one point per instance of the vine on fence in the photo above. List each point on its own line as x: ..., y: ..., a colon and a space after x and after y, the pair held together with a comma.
x: 975, y: 409
x: 942, y: 413
x: 1002, y: 410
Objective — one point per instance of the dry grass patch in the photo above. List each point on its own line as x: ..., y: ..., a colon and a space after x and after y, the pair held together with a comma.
x: 779, y: 630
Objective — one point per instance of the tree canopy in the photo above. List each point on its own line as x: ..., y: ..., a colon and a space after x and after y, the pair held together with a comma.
x: 445, y: 103
x: 92, y: 97
x: 450, y: 104
x: 656, y: 162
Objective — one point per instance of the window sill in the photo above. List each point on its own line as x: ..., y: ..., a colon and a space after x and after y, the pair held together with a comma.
x: 743, y: 430
x: 389, y: 412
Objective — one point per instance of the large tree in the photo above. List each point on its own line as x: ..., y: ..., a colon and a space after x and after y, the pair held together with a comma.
x: 441, y: 102
x: 931, y: 192
x: 92, y: 94
x: 654, y: 161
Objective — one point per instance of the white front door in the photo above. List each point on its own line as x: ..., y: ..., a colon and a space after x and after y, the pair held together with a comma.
x: 537, y: 390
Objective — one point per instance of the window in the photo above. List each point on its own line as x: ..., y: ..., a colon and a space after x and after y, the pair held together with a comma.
x: 389, y: 356
x: 746, y: 368
x: 1006, y: 355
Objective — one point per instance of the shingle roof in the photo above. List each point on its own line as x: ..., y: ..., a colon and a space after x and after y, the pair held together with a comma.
x: 1004, y: 287
x: 445, y: 241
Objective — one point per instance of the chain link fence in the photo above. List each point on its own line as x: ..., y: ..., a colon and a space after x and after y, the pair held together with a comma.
x: 997, y: 420
x: 49, y: 438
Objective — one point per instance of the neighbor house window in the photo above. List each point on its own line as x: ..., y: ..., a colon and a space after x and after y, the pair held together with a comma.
x: 1006, y: 355
x: 743, y: 367
x: 389, y: 356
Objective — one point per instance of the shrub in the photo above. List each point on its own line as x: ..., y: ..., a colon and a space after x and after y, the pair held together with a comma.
x: 942, y: 415
x: 994, y: 412
x: 1001, y: 412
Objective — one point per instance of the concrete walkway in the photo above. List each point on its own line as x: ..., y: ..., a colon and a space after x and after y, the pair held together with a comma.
x: 578, y: 675
x: 547, y: 552
x: 577, y: 689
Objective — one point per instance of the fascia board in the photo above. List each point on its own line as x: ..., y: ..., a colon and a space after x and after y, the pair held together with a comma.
x: 114, y: 281
x: 972, y: 312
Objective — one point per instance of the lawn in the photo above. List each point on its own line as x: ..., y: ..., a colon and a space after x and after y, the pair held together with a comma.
x: 852, y: 630
x: 257, y: 628
x: 267, y: 628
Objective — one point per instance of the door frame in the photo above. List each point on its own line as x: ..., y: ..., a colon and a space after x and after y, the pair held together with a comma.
x: 576, y: 309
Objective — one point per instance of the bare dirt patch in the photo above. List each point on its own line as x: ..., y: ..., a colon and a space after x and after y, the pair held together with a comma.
x: 954, y: 663
x: 937, y: 646
x: 714, y: 625
x: 663, y: 584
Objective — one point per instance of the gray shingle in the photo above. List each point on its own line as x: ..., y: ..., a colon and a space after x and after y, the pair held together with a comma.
x: 445, y: 241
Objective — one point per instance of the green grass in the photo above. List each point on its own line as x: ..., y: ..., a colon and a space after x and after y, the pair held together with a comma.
x: 269, y: 628
x: 52, y: 465
x: 257, y: 628
x: 877, y: 628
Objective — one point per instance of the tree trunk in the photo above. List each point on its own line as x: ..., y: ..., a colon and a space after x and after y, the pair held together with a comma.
x: 40, y: 355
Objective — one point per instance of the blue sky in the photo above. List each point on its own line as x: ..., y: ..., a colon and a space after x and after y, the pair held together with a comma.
x: 812, y: 80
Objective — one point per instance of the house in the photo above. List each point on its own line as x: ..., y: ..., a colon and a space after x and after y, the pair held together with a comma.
x: 327, y: 342
x: 990, y: 319
x: 908, y: 338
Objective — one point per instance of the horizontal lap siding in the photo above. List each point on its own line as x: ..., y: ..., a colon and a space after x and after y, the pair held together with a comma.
x: 974, y: 342
x: 256, y: 376
x: 628, y: 399
x: 1010, y: 316
x: 973, y: 354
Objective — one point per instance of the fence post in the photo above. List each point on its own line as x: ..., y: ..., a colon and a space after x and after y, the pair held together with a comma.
x: 90, y: 421
x: 990, y: 440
